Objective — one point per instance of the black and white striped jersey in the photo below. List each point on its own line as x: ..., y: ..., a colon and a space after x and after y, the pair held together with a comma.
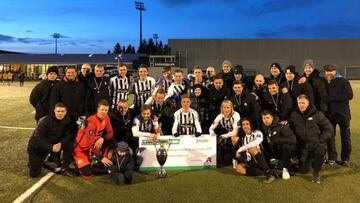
x: 143, y: 128
x: 231, y: 124
x: 143, y: 90
x: 120, y: 88
x: 163, y: 84
x: 186, y: 123
x: 253, y: 140
x: 176, y: 89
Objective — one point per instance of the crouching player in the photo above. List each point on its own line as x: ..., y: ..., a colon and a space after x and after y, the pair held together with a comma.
x: 226, y: 126
x: 92, y: 143
x: 251, y: 159
x: 123, y: 163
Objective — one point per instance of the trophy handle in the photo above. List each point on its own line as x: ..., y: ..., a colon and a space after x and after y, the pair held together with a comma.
x: 169, y: 142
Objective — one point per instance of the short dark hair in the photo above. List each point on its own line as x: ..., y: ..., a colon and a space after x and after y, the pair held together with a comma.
x: 59, y: 104
x: 145, y: 107
x: 103, y: 102
x: 178, y: 71
x: 143, y: 66
x: 247, y: 119
x: 197, y: 67
x: 267, y: 112
x: 70, y: 67
x: 303, y: 96
x: 122, y: 64
x: 238, y: 82
x: 160, y: 91
x: 273, y: 82
x: 218, y: 77
x: 185, y: 96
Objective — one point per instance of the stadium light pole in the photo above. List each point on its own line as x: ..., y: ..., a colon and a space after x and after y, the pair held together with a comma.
x: 56, y: 36
x: 140, y: 6
x: 156, y: 37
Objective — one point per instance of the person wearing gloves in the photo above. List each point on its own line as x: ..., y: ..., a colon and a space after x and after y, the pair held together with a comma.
x: 226, y: 125
x: 250, y: 159
x: 186, y: 119
x: 144, y: 125
x: 123, y: 163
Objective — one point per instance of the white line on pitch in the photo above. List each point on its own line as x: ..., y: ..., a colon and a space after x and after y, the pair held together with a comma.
x: 18, y: 128
x: 33, y: 188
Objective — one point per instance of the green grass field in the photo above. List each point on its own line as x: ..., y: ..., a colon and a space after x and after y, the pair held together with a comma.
x: 339, y: 184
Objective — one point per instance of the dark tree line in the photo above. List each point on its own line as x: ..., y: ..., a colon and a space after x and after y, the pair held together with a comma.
x: 147, y: 47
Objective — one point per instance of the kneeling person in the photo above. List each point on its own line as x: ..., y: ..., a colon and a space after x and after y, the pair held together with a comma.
x: 123, y: 163
x: 92, y: 143
x: 281, y: 141
x: 251, y: 159
x: 50, y: 136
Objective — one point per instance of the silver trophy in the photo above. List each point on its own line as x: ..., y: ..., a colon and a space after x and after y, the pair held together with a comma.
x: 161, y: 155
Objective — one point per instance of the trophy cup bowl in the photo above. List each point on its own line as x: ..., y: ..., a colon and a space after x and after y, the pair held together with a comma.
x: 161, y: 156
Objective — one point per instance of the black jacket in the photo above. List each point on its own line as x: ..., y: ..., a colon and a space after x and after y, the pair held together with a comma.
x: 340, y: 93
x: 122, y: 164
x: 40, y: 98
x: 228, y: 79
x: 311, y: 126
x: 278, y: 134
x: 50, y: 131
x: 216, y: 97
x: 97, y: 89
x: 121, y: 124
x: 283, y: 101
x: 297, y: 89
x: 279, y: 79
x: 72, y: 94
x: 247, y: 106
x: 318, y: 85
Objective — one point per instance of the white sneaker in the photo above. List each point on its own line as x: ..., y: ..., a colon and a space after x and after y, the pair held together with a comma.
x: 285, y: 174
x: 235, y: 163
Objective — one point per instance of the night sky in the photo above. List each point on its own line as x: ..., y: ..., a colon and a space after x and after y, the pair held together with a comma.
x: 94, y: 26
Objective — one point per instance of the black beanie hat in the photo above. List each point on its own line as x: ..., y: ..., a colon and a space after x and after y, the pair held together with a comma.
x: 291, y: 69
x: 239, y: 69
x: 277, y: 65
x: 52, y: 69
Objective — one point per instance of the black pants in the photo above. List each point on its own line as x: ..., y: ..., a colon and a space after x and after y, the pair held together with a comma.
x: 37, y: 157
x: 344, y: 125
x: 226, y: 151
x: 282, y: 152
x: 314, y: 157
x: 21, y: 83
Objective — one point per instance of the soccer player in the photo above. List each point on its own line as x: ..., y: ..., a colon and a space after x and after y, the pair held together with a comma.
x: 226, y: 125
x: 186, y: 119
x: 144, y: 125
x: 250, y: 156
x: 119, y: 86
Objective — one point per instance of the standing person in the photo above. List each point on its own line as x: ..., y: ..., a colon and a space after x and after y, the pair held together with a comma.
x: 258, y: 88
x: 72, y: 93
x: 210, y: 73
x: 165, y: 80
x: 186, y: 119
x: 276, y: 101
x: 40, y: 95
x: 98, y: 89
x: 226, y: 125
x: 293, y: 86
x: 159, y: 110
x: 227, y: 74
x: 22, y: 79
x: 217, y: 93
x: 92, y: 143
x: 250, y: 156
x: 143, y: 88
x: 245, y: 103
x: 276, y: 73
x: 199, y: 102
x: 314, y: 129
x: 10, y: 77
x: 179, y: 86
x: 119, y: 86
x: 339, y: 95
x: 317, y: 83
x: 50, y: 136
x: 85, y: 74
x: 280, y: 141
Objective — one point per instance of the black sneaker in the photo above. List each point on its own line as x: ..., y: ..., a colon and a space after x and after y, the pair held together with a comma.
x: 269, y: 179
x: 68, y: 172
x: 315, y: 178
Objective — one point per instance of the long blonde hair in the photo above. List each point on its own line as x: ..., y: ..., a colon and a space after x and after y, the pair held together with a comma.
x: 226, y: 101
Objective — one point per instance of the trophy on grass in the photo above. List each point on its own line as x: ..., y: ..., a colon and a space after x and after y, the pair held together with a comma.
x: 161, y: 155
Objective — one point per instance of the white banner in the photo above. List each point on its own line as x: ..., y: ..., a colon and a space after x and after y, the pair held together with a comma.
x: 186, y: 152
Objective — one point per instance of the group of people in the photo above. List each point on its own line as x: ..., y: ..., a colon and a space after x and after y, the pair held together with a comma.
x: 288, y: 117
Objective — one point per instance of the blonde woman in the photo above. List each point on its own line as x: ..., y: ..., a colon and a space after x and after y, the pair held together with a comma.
x: 226, y: 128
